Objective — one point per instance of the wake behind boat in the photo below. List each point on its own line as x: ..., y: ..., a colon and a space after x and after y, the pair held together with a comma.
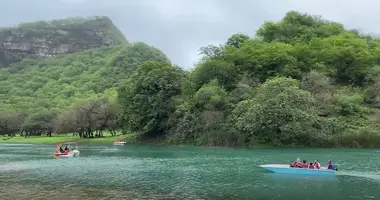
x: 286, y: 169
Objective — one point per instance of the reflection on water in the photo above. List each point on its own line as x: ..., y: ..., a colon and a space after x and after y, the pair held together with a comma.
x: 138, y: 172
x: 38, y: 192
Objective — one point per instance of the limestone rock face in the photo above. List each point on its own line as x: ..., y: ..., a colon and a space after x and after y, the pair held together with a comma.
x: 45, y: 39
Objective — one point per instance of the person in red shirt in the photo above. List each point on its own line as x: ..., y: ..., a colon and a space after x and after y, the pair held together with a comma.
x: 298, y: 163
x: 304, y: 165
x: 317, y: 165
x: 311, y: 166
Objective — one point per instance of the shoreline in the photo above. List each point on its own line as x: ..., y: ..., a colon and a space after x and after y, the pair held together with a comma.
x: 107, y: 139
x: 132, y: 139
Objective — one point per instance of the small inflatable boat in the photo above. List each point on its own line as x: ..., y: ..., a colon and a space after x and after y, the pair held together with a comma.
x: 71, y: 150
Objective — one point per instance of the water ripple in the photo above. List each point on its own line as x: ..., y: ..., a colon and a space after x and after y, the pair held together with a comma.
x: 138, y: 172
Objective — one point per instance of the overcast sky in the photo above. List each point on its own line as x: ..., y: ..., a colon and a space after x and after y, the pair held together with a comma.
x: 180, y: 27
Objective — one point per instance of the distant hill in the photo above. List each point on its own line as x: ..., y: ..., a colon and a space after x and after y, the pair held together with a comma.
x: 44, y: 39
x: 58, y: 82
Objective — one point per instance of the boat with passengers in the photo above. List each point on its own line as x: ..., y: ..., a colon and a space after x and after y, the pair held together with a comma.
x: 303, y: 168
x: 119, y: 143
x: 71, y: 150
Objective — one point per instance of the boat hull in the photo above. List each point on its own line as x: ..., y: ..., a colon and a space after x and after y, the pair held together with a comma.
x: 118, y: 143
x: 285, y: 169
x: 72, y: 154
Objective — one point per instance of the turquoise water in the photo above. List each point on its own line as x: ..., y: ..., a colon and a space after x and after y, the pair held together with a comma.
x: 143, y: 172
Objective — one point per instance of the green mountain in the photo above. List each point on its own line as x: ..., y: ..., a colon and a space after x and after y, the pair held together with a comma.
x: 58, y: 82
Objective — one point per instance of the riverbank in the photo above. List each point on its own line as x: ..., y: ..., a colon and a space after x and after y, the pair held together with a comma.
x: 133, y: 138
x: 107, y: 139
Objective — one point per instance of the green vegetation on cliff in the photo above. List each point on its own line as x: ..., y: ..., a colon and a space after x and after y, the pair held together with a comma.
x: 302, y: 81
x: 44, y: 39
x: 38, y: 85
x: 62, y: 94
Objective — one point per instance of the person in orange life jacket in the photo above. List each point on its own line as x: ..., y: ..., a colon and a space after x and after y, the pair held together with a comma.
x: 317, y: 165
x: 311, y: 166
x: 304, y: 165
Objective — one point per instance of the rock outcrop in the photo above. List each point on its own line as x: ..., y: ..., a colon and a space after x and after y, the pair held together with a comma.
x: 45, y: 39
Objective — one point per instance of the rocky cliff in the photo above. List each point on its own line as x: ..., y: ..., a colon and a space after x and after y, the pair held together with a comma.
x: 45, y: 39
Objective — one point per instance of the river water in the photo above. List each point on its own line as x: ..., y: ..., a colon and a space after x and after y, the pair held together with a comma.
x: 143, y: 172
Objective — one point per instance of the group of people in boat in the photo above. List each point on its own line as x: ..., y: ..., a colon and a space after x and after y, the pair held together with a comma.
x: 312, y: 165
x: 67, y: 149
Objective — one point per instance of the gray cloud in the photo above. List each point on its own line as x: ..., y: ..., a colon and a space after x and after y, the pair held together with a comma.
x: 180, y: 27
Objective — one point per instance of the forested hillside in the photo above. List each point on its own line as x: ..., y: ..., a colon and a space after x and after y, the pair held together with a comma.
x: 302, y: 81
x: 37, y: 91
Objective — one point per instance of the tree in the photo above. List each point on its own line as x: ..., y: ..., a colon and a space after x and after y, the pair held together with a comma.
x: 322, y: 89
x: 224, y: 72
x: 237, y: 40
x: 296, y: 27
x: 347, y: 54
x: 262, y: 60
x: 211, y: 97
x: 11, y: 123
x: 281, y: 113
x: 148, y: 98
x: 108, y: 117
x: 211, y: 52
x: 39, y: 123
x: 89, y: 116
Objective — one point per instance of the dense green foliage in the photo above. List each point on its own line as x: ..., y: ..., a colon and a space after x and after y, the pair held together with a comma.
x: 37, y: 85
x: 34, y: 92
x: 302, y: 81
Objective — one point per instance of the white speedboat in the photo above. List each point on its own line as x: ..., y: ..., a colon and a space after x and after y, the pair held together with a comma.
x: 286, y: 169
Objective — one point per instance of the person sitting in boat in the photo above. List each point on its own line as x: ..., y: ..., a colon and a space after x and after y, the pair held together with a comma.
x: 292, y: 164
x: 317, y: 165
x: 298, y: 163
x: 67, y: 149
x: 332, y: 166
x: 304, y: 164
x: 61, y: 150
x: 311, y: 166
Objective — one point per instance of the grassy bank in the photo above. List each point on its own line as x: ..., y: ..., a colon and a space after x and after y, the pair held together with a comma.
x: 107, y: 139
